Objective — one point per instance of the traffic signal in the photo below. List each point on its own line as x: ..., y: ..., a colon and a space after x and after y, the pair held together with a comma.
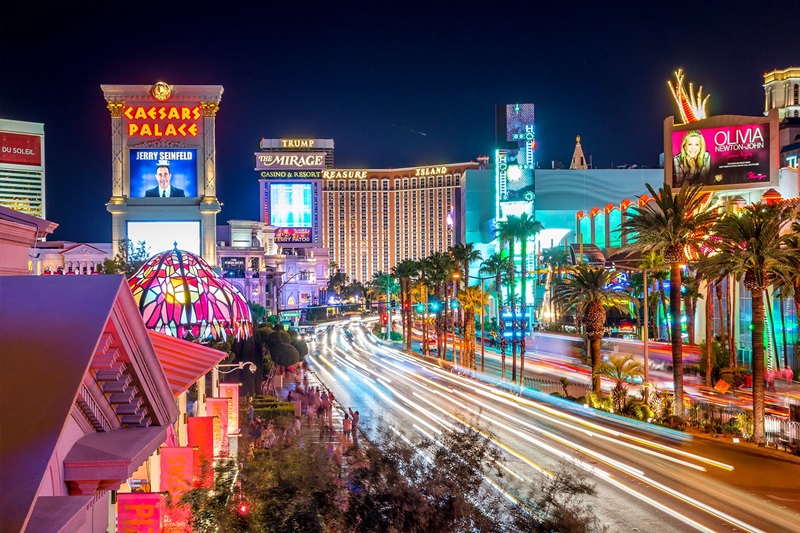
x: 394, y: 303
x: 454, y: 304
x: 385, y: 319
x: 420, y: 308
x: 406, y: 305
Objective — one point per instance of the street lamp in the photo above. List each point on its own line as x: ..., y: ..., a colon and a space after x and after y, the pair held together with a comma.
x: 645, y: 327
x: 233, y: 366
x: 280, y: 286
x: 483, y: 315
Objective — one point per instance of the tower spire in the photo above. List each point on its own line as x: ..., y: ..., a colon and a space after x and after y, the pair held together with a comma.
x: 578, y: 161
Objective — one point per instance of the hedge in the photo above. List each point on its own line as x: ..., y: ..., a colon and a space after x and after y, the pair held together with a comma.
x: 276, y: 412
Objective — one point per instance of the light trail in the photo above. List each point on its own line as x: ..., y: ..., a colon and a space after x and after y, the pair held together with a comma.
x: 391, y: 366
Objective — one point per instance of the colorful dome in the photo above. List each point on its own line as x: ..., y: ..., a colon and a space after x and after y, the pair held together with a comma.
x: 179, y: 294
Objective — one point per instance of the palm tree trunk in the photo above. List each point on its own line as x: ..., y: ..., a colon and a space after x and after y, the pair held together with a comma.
x: 594, y: 348
x: 783, y: 332
x: 664, y: 307
x: 677, y: 345
x: 709, y: 333
x: 731, y: 314
x: 722, y: 333
x: 771, y: 323
x: 758, y: 366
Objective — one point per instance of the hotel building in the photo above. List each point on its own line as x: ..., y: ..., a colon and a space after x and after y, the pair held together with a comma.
x: 374, y: 219
x: 22, y: 167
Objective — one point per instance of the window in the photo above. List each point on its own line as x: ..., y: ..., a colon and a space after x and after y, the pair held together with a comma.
x: 796, y: 97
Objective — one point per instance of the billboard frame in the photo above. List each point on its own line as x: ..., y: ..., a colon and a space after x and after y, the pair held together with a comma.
x: 722, y: 121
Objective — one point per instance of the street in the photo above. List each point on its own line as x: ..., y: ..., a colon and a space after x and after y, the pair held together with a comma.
x: 647, y: 477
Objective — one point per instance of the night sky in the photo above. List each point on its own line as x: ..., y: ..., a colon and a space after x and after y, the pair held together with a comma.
x: 394, y: 84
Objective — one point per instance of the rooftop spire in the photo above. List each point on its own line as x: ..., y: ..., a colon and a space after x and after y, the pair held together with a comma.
x: 578, y: 161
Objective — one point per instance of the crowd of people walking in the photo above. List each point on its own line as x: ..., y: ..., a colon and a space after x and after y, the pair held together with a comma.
x: 316, y: 404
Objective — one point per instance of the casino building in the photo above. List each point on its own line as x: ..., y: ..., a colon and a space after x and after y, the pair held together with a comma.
x: 365, y: 220
x: 168, y: 129
x: 22, y: 167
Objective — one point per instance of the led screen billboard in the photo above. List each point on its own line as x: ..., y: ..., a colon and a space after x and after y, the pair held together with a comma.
x: 163, y: 172
x: 290, y: 205
x: 162, y: 236
x: 721, y: 156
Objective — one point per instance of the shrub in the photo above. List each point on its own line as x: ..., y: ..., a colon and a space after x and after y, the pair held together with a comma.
x: 637, y: 409
x: 280, y: 412
x: 734, y: 376
x: 675, y: 422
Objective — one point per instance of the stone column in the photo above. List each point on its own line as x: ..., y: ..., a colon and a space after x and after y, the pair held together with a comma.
x: 209, y: 113
x: 116, y: 148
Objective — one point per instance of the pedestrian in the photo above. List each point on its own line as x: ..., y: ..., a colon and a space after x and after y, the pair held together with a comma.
x: 788, y: 375
x: 269, y: 435
x: 329, y: 412
x: 305, y: 382
x: 250, y: 411
x: 347, y: 428
x: 355, y: 417
x: 257, y: 434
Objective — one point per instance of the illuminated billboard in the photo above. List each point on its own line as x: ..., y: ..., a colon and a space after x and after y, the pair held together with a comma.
x: 515, y: 183
x: 20, y: 148
x: 730, y: 155
x: 290, y: 205
x: 514, y: 169
x: 163, y: 172
x: 162, y: 236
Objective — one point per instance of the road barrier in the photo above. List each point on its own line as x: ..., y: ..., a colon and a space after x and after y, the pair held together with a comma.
x: 548, y: 386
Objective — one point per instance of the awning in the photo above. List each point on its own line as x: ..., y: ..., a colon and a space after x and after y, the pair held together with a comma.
x: 184, y: 362
x: 102, y: 461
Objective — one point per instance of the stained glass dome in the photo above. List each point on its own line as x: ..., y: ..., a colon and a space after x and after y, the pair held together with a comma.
x: 179, y: 294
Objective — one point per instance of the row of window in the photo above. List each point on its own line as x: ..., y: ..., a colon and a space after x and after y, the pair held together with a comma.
x: 397, y: 184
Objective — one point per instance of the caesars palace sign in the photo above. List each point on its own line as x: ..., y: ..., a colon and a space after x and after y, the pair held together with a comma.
x: 162, y: 121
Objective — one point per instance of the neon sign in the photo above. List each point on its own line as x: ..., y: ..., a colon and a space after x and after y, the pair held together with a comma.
x: 431, y: 171
x: 338, y: 174
x: 297, y: 143
x: 162, y: 121
x: 791, y: 161
x: 284, y: 161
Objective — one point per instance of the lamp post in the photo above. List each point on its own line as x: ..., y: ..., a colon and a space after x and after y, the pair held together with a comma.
x: 483, y: 315
x: 233, y: 366
x: 281, y: 286
x: 645, y: 327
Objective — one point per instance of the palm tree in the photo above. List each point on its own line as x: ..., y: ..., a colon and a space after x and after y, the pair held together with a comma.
x: 471, y: 299
x: 464, y: 254
x: 791, y: 277
x: 528, y: 227
x: 749, y: 243
x: 585, y: 288
x: 381, y: 287
x: 405, y: 270
x: 439, y: 268
x: 496, y: 265
x: 691, y: 294
x: 621, y: 369
x: 337, y: 280
x: 673, y: 225
x: 507, y: 232
x: 556, y: 259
